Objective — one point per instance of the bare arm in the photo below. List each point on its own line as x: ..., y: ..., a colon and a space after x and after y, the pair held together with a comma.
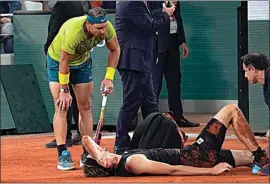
x: 64, y: 64
x: 92, y: 148
x: 114, y: 54
x: 139, y: 164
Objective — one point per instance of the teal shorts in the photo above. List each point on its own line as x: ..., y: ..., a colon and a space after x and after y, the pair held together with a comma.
x: 78, y: 74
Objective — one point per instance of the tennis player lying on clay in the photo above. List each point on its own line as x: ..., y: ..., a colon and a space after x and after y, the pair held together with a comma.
x: 204, y: 157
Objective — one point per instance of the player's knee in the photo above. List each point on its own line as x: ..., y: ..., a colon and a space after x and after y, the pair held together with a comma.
x: 85, y: 139
x: 61, y: 113
x: 233, y: 108
x: 84, y: 107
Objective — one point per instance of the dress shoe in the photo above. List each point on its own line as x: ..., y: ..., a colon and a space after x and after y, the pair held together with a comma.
x: 77, y: 139
x: 183, y: 122
x: 53, y: 144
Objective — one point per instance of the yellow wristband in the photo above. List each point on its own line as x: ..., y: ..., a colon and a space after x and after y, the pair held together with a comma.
x: 63, y: 78
x: 110, y: 73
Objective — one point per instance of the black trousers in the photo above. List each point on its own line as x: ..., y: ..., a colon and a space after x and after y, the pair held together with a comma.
x: 73, y: 112
x: 137, y: 93
x: 169, y: 66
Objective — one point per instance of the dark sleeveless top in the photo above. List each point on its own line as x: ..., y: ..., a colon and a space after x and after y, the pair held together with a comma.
x: 169, y: 156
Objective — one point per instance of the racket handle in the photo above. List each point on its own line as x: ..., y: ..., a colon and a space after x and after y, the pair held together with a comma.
x: 104, y: 100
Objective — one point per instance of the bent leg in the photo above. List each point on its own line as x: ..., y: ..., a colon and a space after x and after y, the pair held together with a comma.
x: 212, y: 136
x: 232, y: 115
x: 235, y: 158
x: 242, y: 157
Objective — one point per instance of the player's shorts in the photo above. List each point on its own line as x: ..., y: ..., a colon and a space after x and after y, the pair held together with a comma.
x: 78, y: 74
x: 206, y: 151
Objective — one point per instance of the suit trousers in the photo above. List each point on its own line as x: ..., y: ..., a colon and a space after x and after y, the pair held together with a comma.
x: 137, y: 93
x: 169, y: 66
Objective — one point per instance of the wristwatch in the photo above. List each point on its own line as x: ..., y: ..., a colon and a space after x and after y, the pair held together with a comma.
x: 64, y: 90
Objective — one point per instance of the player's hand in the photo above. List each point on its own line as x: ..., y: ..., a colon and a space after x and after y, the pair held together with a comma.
x: 5, y: 20
x: 220, y: 168
x: 170, y: 10
x: 64, y: 101
x: 107, y: 87
x: 184, y: 50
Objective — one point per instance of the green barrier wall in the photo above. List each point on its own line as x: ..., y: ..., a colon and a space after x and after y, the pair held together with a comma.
x: 24, y: 99
x: 211, y: 38
x: 209, y: 73
x: 5, y: 116
x: 258, y: 41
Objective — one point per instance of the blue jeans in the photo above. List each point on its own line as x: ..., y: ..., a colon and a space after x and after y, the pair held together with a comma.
x: 7, y: 31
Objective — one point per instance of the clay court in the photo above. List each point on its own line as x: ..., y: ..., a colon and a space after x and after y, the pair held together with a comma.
x: 25, y: 159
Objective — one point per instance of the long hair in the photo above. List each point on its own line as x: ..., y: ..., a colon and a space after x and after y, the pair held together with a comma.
x: 93, y: 169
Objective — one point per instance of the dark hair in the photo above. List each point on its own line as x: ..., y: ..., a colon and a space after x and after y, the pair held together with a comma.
x: 93, y: 169
x: 258, y: 60
x: 96, y: 12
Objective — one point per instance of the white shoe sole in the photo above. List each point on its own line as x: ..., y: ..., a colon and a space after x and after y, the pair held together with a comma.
x: 64, y: 168
x: 81, y: 164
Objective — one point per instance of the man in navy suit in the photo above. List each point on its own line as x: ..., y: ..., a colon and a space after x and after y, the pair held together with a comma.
x: 136, y: 32
x: 170, y: 38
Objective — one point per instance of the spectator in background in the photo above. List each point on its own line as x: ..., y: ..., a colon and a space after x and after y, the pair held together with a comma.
x: 48, y: 5
x: 60, y: 14
x: 170, y: 38
x: 86, y: 5
x: 6, y: 25
x: 10, y: 6
x: 109, y: 4
x: 103, y: 4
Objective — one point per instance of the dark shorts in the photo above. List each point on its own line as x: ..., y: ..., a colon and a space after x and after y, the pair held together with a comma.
x: 206, y: 151
x: 78, y: 74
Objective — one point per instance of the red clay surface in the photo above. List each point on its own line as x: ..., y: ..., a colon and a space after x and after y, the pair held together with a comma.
x: 25, y: 159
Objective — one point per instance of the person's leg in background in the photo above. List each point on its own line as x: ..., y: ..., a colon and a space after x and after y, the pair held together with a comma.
x: 7, y: 31
x: 158, y: 73
x: 8, y: 44
x: 132, y: 85
x: 173, y: 80
x: 75, y: 114
x: 149, y: 100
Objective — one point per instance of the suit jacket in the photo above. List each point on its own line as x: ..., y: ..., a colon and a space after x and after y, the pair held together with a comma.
x: 59, y: 15
x: 136, y: 31
x: 163, y: 35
